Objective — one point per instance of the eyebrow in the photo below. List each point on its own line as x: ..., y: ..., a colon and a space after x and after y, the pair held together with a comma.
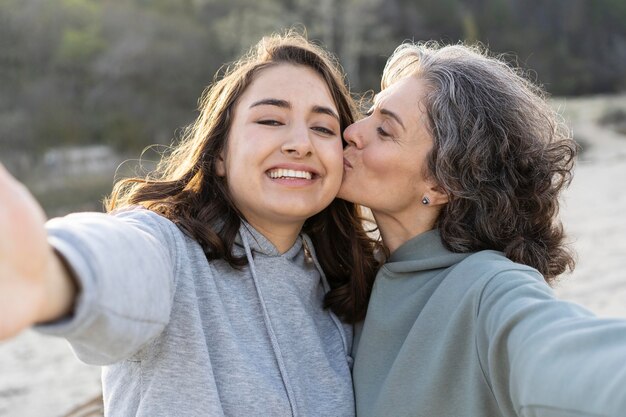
x: 393, y: 116
x: 325, y: 110
x: 271, y: 102
x: 286, y: 105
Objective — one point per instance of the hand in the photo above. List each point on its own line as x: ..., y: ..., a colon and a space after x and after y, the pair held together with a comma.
x: 29, y: 269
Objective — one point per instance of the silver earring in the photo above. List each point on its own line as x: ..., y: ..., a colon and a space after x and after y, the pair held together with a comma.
x: 425, y: 201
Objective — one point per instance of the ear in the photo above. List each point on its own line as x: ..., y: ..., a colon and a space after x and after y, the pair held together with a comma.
x: 220, y: 165
x: 436, y: 194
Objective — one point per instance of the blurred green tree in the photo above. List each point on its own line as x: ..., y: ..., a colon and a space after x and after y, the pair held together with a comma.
x: 128, y: 73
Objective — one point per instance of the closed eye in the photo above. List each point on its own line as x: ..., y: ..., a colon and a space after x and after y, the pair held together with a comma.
x: 270, y: 122
x: 382, y: 132
x: 324, y: 130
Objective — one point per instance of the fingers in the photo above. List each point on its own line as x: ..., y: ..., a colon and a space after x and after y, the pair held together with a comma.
x: 6, y: 179
x: 6, y: 188
x: 11, y: 188
x: 3, y: 172
x: 16, y: 201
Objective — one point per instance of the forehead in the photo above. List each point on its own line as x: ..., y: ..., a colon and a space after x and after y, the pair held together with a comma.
x: 406, y: 99
x: 406, y: 94
x: 293, y: 83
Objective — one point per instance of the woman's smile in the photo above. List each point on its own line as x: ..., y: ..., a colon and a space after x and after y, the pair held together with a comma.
x: 283, y: 156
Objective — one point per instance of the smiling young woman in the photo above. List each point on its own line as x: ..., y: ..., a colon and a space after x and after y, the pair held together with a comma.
x: 283, y: 160
x: 216, y: 285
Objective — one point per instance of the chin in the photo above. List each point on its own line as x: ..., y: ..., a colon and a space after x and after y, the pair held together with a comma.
x: 295, y: 214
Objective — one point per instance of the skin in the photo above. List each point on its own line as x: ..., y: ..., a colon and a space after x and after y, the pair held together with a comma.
x: 385, y: 164
x: 286, y: 119
x: 34, y: 284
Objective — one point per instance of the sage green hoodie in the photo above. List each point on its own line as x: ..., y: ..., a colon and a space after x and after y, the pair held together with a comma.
x: 477, y: 335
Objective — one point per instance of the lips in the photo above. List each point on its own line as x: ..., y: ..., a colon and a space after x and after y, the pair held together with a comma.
x: 289, y: 173
x: 346, y: 163
x: 292, y: 171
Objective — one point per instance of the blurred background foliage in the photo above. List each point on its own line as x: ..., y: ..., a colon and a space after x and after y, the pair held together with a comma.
x: 128, y: 73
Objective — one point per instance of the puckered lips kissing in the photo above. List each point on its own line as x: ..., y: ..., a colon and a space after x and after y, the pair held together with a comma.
x: 293, y: 175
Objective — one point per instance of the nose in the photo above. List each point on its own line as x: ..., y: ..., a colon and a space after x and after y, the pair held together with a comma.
x: 352, y: 135
x: 298, y: 143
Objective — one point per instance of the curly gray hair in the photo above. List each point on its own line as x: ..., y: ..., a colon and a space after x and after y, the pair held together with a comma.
x: 500, y: 152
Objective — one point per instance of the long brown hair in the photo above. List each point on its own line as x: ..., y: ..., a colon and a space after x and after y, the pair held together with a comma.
x: 186, y: 189
x: 499, y: 151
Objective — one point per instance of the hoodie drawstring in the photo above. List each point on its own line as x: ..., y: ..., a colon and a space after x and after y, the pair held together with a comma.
x: 268, y: 325
x: 335, y: 319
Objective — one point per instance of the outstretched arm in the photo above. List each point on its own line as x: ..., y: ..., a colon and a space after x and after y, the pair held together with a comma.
x: 548, y: 357
x: 35, y: 286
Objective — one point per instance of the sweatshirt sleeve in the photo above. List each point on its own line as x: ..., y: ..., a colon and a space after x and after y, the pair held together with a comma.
x: 124, y: 265
x: 548, y: 357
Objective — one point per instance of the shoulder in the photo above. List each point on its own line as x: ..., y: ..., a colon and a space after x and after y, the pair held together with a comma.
x: 135, y: 216
x: 493, y: 274
x: 490, y: 264
x: 143, y: 217
x: 503, y: 288
x: 188, y: 258
x: 150, y: 222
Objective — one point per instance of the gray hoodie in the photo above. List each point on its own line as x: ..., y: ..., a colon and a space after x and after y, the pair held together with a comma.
x: 180, y: 336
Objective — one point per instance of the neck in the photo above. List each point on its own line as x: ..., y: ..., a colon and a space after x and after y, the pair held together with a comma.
x: 395, y: 230
x: 283, y: 236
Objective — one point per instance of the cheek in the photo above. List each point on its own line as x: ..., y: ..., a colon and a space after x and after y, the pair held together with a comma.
x: 377, y: 164
x: 237, y: 154
x: 332, y: 155
x: 236, y: 171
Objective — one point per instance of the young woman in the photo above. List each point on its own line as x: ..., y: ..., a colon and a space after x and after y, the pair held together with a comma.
x: 204, y: 292
x: 461, y: 161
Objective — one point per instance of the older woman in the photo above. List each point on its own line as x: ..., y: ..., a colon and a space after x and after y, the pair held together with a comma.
x: 462, y: 161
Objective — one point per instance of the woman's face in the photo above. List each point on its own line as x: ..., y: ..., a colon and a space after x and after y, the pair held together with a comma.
x: 283, y: 160
x: 385, y: 161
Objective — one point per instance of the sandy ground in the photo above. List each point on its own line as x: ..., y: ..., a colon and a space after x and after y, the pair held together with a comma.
x: 594, y: 210
x: 39, y: 376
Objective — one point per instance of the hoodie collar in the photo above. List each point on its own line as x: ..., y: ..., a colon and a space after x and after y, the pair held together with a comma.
x: 421, y: 253
x: 260, y: 244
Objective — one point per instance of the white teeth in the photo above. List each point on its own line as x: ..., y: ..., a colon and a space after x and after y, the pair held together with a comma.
x: 289, y: 173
